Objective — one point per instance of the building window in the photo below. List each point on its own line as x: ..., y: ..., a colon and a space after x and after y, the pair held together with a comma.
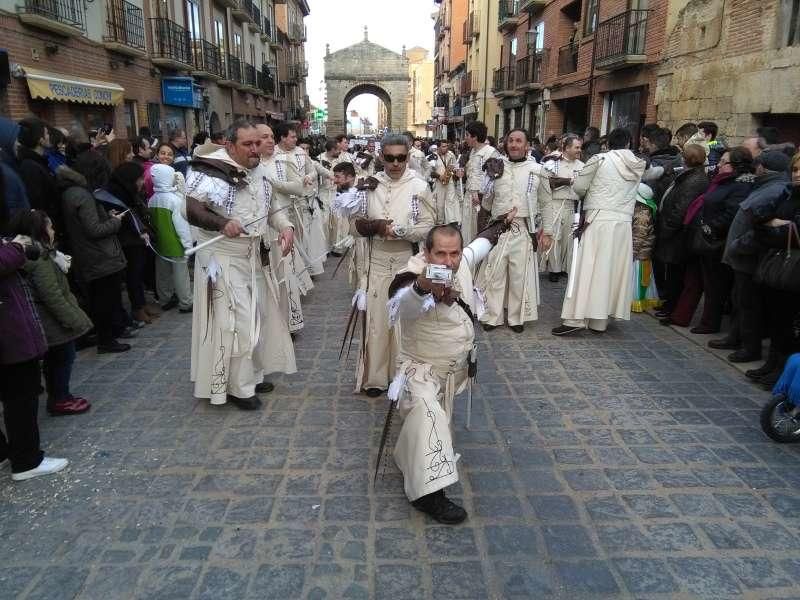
x: 219, y: 35
x: 130, y: 119
x: 789, y: 23
x: 237, y: 45
x: 591, y: 16
x: 154, y: 118
x: 252, y: 54
x: 539, y: 29
x: 193, y: 19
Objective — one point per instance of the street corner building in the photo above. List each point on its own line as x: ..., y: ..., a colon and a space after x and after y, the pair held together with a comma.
x: 179, y: 64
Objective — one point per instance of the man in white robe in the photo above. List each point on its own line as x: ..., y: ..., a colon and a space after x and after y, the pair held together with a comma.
x: 394, y: 216
x: 417, y: 161
x: 510, y: 275
x: 238, y: 334
x: 290, y: 286
x: 338, y: 227
x: 448, y: 209
x: 480, y: 151
x: 557, y: 201
x: 437, y: 351
x: 599, y: 284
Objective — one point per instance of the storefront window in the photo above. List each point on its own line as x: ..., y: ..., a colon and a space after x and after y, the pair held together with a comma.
x: 130, y: 119
x: 92, y: 118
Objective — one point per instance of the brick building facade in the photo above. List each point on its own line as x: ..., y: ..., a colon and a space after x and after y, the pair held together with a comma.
x: 193, y: 64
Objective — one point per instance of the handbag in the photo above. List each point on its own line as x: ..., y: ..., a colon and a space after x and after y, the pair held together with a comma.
x: 779, y: 268
x: 703, y: 241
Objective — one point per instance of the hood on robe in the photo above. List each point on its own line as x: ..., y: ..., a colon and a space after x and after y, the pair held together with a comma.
x: 408, y: 175
x: 163, y: 177
x: 627, y: 164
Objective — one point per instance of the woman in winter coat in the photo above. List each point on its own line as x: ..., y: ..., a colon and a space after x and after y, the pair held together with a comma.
x: 124, y: 192
x: 61, y: 317
x: 22, y: 344
x: 772, y: 230
x: 708, y: 219
x: 670, y: 239
x: 96, y: 251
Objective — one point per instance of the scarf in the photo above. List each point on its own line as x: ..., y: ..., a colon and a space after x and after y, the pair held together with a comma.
x: 697, y: 203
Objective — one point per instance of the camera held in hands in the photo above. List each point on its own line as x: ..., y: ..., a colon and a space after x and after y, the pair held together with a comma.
x: 440, y: 274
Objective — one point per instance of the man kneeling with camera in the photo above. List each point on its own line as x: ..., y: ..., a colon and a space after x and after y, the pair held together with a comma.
x: 434, y: 305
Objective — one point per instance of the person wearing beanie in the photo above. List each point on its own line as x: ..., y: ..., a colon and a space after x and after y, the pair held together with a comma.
x: 645, y: 295
x: 172, y: 238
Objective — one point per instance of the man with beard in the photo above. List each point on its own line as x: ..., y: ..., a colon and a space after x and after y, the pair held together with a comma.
x: 510, y: 275
x: 395, y: 214
x: 237, y: 332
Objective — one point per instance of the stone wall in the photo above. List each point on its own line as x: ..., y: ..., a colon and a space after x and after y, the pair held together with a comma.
x: 366, y: 68
x: 723, y: 63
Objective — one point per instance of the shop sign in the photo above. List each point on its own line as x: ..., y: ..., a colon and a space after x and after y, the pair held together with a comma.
x: 178, y: 91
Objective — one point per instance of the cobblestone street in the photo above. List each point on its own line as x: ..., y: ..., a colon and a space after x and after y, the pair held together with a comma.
x: 629, y: 465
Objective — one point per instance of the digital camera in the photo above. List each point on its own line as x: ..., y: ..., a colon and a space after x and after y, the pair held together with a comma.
x: 440, y: 274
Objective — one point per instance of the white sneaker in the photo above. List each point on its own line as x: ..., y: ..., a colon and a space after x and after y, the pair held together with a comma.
x: 46, y: 467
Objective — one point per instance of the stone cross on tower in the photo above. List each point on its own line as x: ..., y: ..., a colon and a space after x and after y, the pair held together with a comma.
x: 366, y: 34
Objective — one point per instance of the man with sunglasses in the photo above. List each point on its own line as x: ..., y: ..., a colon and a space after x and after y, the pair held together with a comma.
x: 395, y: 214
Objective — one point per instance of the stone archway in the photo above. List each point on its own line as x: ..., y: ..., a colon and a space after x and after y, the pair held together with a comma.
x: 368, y: 88
x: 366, y: 68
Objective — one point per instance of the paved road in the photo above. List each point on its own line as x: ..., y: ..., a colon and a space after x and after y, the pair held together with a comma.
x: 620, y: 466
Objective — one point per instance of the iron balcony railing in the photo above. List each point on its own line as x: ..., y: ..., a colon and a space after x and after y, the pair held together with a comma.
x: 297, y: 32
x: 466, y: 84
x: 530, y: 68
x: 234, y: 68
x: 254, y: 12
x: 249, y: 75
x: 69, y: 12
x: 266, y: 81
x: 475, y: 22
x: 170, y: 41
x: 208, y: 58
x: 568, y: 59
x: 443, y: 101
x: 620, y: 36
x: 508, y: 12
x: 125, y: 24
x: 298, y: 70
x: 467, y: 31
x: 503, y: 79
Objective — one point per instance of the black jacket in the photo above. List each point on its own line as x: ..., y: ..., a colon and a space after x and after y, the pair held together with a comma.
x: 671, y: 246
x: 669, y: 159
x: 40, y: 185
x: 787, y: 209
x: 720, y: 205
x: 92, y: 232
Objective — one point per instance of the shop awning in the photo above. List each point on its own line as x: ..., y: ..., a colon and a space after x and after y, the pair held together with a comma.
x: 52, y: 86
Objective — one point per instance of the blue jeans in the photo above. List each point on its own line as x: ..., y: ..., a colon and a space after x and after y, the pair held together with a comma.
x: 58, y: 371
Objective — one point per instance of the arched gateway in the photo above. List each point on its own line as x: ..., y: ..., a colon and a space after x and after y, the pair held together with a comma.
x: 366, y: 68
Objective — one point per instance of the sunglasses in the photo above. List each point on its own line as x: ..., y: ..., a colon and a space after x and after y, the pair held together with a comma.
x: 395, y: 158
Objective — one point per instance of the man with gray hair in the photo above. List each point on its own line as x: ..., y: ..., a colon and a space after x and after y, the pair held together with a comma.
x: 394, y: 213
x: 237, y: 330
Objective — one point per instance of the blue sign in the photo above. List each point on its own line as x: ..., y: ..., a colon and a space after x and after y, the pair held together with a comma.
x: 178, y: 91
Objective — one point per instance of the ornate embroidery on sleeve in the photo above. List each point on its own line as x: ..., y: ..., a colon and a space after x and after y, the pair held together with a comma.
x: 414, y: 209
x: 362, y: 202
x: 267, y: 192
x: 203, y: 188
x: 280, y: 170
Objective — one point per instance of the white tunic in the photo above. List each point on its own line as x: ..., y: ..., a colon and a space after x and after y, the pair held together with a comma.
x: 558, y: 207
x: 447, y: 205
x: 238, y: 335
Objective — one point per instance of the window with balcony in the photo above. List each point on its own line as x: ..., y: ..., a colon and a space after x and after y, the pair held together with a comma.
x: 193, y: 19
x: 124, y: 26
x: 219, y: 35
x: 590, y: 17
x: 67, y: 17
x: 237, y: 44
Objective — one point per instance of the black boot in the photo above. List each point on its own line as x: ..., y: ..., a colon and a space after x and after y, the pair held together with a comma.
x: 251, y: 403
x: 773, y: 361
x: 265, y: 387
x: 440, y: 508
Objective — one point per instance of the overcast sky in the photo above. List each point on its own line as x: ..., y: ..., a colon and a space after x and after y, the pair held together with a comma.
x: 340, y: 23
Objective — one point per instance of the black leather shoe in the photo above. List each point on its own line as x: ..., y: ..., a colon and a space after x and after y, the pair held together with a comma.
x: 373, y: 392
x: 771, y: 378
x: 128, y: 334
x: 113, y: 348
x: 742, y: 356
x: 265, y: 387
x: 554, y: 277
x: 487, y: 327
x: 765, y: 369
x: 565, y: 330
x: 517, y: 328
x: 702, y: 330
x: 723, y: 344
x: 662, y: 313
x: 251, y: 403
x: 440, y: 508
x: 186, y: 310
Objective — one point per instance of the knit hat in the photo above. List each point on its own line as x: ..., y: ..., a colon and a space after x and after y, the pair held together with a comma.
x: 644, y: 192
x: 773, y: 160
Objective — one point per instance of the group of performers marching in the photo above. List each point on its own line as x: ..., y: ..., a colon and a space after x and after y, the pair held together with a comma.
x: 435, y: 245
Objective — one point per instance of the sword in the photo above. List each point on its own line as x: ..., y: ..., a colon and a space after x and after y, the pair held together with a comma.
x: 222, y: 236
x: 387, y: 426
